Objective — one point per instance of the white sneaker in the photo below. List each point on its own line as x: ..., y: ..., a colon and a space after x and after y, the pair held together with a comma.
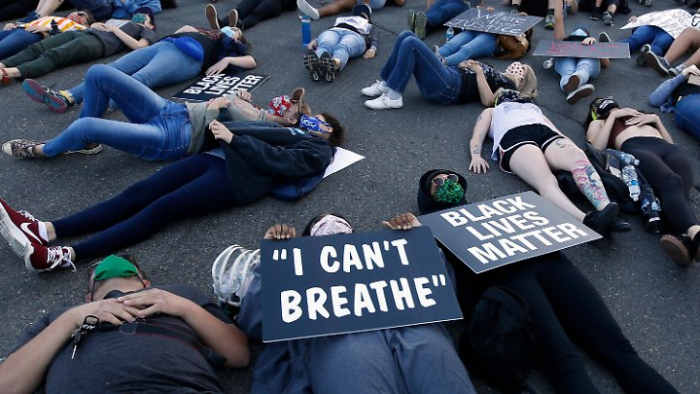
x: 583, y: 91
x: 376, y: 89
x: 384, y: 102
x: 232, y: 273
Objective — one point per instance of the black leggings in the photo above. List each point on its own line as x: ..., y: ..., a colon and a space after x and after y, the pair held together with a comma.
x: 190, y: 187
x: 565, y: 307
x: 250, y: 12
x: 670, y: 173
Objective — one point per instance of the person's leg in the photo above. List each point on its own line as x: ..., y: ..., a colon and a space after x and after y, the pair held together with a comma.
x: 35, y: 50
x: 167, y: 67
x: 393, y: 58
x: 442, y: 11
x: 455, y: 44
x: 689, y: 38
x: 351, y: 45
x: 138, y: 103
x: 561, y: 361
x: 327, y: 41
x: 193, y: 187
x: 529, y: 163
x: 661, y: 42
x: 565, y: 67
x: 427, y: 360
x: 84, y: 48
x: 585, y: 316
x: 336, y: 7
x: 48, y: 7
x: 15, y: 40
x: 244, y: 8
x: 483, y: 44
x: 587, y: 68
x: 249, y: 318
x: 640, y: 36
x: 694, y: 59
x: 266, y: 9
x: 688, y: 116
x: 564, y: 155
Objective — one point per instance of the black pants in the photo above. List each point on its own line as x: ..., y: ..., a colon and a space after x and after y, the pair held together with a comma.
x: 670, y: 173
x: 566, y: 309
x: 250, y: 12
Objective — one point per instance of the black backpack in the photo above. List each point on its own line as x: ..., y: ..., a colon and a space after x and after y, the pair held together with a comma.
x: 499, y: 341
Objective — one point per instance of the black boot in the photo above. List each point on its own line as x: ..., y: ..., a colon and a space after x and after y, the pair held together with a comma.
x: 600, y: 221
x: 678, y: 249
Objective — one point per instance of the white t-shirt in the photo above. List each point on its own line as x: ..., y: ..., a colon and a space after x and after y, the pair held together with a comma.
x: 507, y: 116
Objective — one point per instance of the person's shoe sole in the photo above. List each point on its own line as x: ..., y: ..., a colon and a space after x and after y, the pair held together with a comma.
x: 578, y: 94
x: 411, y: 20
x: 382, y: 108
x: 572, y: 84
x: 233, y: 18
x: 655, y: 62
x: 420, y: 24
x: 329, y: 68
x: 37, y: 93
x: 604, y: 37
x: 90, y: 151
x: 676, y: 250
x: 311, y: 64
x: 13, y: 235
x: 212, y: 17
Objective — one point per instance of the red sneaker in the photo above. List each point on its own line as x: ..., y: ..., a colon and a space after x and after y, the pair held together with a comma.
x: 42, y: 258
x: 19, y: 228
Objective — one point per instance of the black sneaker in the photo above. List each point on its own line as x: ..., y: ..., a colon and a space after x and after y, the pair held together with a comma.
x: 604, y: 37
x: 677, y: 248
x: 328, y: 66
x: 641, y: 58
x: 596, y: 14
x: 600, y: 221
x: 311, y: 63
x: 620, y: 225
x: 658, y: 63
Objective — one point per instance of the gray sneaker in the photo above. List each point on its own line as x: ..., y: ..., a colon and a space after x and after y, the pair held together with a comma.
x: 411, y: 20
x: 420, y: 25
x: 607, y: 18
x: 658, y: 63
x: 676, y: 71
x: 641, y: 58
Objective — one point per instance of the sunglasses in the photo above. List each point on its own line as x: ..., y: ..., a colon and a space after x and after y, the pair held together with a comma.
x: 439, y: 181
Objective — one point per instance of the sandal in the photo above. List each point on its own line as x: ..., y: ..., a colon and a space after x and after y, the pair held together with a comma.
x: 5, y: 77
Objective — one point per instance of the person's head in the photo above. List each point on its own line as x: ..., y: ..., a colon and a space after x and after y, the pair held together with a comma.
x: 82, y: 17
x: 600, y: 108
x: 324, y: 125
x: 362, y: 10
x: 510, y: 96
x: 327, y: 224
x: 524, y: 78
x: 235, y: 33
x: 582, y: 30
x: 144, y: 16
x: 115, y: 273
x: 441, y: 189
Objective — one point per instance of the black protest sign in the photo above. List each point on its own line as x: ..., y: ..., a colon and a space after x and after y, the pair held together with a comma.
x: 505, y: 230
x: 338, y: 284
x: 214, y: 86
x: 493, y: 22
x: 599, y: 50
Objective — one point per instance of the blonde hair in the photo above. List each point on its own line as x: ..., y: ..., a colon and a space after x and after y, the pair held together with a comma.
x: 528, y: 86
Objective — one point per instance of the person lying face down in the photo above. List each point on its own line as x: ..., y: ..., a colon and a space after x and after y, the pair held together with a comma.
x: 132, y: 336
x: 418, y: 359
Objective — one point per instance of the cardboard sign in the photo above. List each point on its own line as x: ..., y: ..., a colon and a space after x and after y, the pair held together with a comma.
x: 214, y: 86
x: 505, y: 230
x: 493, y: 22
x: 599, y: 50
x: 338, y: 284
x: 672, y: 22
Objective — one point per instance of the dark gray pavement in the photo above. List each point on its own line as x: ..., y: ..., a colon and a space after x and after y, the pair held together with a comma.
x: 656, y: 303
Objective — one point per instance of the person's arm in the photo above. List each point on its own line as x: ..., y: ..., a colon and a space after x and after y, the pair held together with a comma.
x: 225, y: 339
x: 559, y: 30
x: 486, y: 95
x: 24, y: 370
x: 598, y: 132
x: 246, y: 62
x: 129, y: 41
x: 651, y: 120
x: 481, y: 129
x: 373, y: 44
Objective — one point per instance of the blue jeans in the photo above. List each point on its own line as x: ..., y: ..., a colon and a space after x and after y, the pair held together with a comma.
x: 442, y: 11
x: 660, y: 40
x: 583, y: 68
x: 688, y: 114
x: 160, y: 64
x: 342, y: 44
x: 468, y: 44
x: 417, y: 359
x: 374, y: 4
x: 410, y: 56
x: 159, y: 129
x: 15, y: 40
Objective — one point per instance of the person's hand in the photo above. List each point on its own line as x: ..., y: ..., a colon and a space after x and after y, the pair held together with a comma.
x: 38, y: 29
x: 588, y: 41
x: 521, y: 13
x: 218, y: 103
x: 244, y: 95
x: 99, y: 26
x: 472, y: 65
x: 312, y: 45
x: 110, y: 311
x: 9, y: 26
x: 691, y: 70
x: 404, y: 221
x: 631, y: 19
x: 152, y: 301
x: 218, y: 67
x: 280, y: 231
x: 370, y: 53
x: 620, y: 113
x: 490, y: 9
x: 220, y: 131
x: 642, y: 119
x: 478, y: 165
